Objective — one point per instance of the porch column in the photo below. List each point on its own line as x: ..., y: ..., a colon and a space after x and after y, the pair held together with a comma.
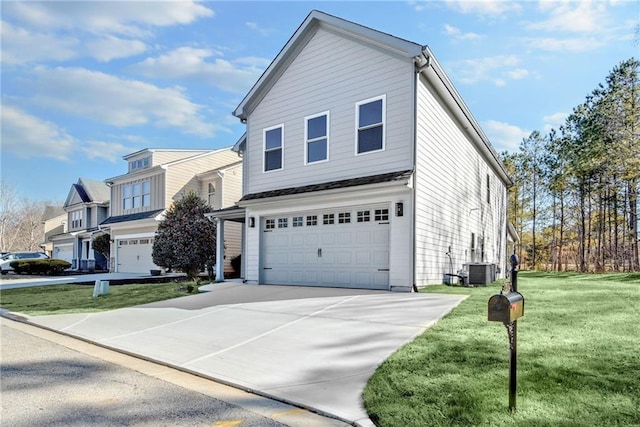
x: 219, y: 250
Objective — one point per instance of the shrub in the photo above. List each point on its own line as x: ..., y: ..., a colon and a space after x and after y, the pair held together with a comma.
x: 39, y: 266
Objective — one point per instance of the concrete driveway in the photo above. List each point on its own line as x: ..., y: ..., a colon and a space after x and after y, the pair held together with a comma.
x: 313, y: 347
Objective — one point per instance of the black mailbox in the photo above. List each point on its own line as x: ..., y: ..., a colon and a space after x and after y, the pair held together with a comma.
x: 506, y: 308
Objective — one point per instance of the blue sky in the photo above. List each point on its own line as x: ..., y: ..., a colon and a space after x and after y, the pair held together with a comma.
x: 86, y: 82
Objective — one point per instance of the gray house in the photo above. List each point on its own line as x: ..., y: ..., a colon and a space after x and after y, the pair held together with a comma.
x: 86, y: 206
x: 363, y: 167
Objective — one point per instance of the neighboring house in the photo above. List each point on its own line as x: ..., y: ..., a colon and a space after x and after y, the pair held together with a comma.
x: 54, y: 219
x: 363, y: 167
x: 86, y: 206
x: 155, y: 179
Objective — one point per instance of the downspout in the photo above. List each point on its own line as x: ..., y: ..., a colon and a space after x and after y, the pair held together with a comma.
x: 415, y: 82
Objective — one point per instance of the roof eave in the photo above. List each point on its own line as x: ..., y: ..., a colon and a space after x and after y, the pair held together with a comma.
x: 314, y: 20
x: 432, y: 70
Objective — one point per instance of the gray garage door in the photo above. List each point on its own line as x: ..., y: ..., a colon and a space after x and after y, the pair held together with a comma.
x: 338, y: 248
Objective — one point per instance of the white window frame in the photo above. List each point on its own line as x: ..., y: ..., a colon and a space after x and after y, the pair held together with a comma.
x: 307, y: 141
x: 264, y: 148
x: 141, y: 197
x: 143, y: 163
x: 76, y: 219
x: 384, y: 123
x: 211, y: 195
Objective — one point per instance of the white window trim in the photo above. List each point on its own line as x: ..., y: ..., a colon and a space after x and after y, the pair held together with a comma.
x: 264, y: 148
x: 384, y: 123
x: 142, y: 194
x: 306, y: 141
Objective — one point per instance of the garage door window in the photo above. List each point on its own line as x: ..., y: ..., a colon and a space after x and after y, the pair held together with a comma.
x: 328, y: 219
x: 382, y: 214
x: 364, y: 216
x: 283, y: 222
x: 270, y: 224
x: 297, y: 221
x: 344, y: 218
x: 123, y: 242
x: 312, y: 220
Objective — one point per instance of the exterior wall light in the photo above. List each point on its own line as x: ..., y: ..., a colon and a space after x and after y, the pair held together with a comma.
x: 399, y: 209
x: 252, y: 222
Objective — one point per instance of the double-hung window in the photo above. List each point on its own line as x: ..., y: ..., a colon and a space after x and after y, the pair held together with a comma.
x: 316, y: 131
x: 136, y: 195
x: 370, y: 121
x: 76, y: 219
x: 273, y: 141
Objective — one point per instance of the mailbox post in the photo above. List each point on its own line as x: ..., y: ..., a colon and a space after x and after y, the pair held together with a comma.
x: 513, y: 338
x: 508, y: 308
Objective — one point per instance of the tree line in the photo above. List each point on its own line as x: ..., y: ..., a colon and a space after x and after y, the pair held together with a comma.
x: 21, y: 225
x: 575, y: 198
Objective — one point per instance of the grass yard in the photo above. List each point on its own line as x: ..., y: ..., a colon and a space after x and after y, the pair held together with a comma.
x: 59, y: 299
x: 578, y: 359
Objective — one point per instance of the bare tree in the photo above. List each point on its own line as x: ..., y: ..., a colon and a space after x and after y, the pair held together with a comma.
x: 21, y: 227
x: 8, y: 216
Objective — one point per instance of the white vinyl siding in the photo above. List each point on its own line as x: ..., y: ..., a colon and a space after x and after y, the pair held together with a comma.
x: 332, y: 73
x: 451, y: 198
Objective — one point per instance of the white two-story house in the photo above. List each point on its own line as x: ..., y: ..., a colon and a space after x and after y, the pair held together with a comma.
x: 363, y: 166
x: 155, y: 179
x: 86, y: 206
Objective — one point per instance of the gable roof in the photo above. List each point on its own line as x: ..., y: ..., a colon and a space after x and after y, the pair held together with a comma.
x: 88, y: 191
x: 420, y: 55
x: 296, y: 43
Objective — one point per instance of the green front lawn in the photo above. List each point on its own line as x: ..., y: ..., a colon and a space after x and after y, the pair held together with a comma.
x: 59, y: 299
x: 578, y: 359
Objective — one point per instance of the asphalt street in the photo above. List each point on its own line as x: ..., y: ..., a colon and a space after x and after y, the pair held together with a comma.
x: 45, y: 383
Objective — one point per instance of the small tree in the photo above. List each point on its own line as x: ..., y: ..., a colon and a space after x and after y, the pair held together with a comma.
x: 101, y: 243
x: 185, y: 239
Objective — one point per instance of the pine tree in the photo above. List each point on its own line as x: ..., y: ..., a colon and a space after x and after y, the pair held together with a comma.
x: 186, y: 239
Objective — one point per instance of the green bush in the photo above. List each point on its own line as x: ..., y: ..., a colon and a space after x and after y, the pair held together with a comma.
x: 39, y: 266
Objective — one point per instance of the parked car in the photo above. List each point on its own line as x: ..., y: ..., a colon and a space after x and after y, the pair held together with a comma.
x: 5, y: 261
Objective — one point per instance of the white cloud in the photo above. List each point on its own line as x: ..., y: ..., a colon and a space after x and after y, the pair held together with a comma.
x: 109, y: 151
x: 21, y: 46
x: 551, y: 44
x: 126, y: 17
x: 118, y: 102
x: 260, y: 30
x: 28, y: 136
x: 494, y: 69
x: 517, y: 74
x: 458, y: 34
x: 554, y: 121
x: 484, y: 7
x: 193, y: 63
x: 504, y: 136
x: 111, y: 47
x: 572, y: 16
